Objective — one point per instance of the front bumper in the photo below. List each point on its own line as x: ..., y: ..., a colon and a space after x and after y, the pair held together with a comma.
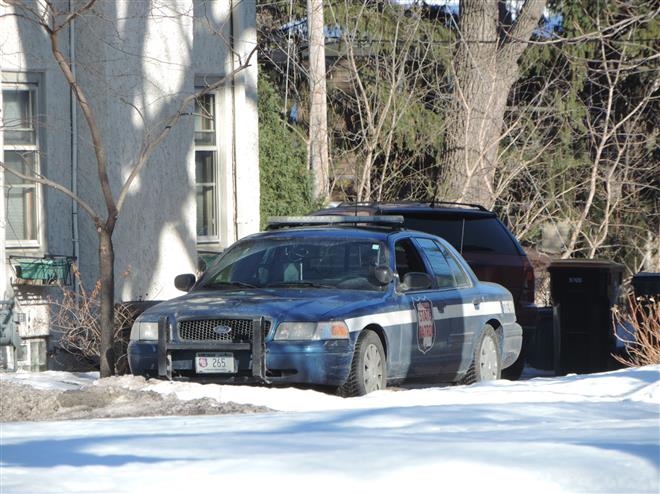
x: 303, y: 362
x: 313, y: 362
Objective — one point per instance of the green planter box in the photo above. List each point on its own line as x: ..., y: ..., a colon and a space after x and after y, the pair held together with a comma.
x: 47, y: 270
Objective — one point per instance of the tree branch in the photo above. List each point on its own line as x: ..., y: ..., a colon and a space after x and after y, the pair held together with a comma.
x: 39, y: 179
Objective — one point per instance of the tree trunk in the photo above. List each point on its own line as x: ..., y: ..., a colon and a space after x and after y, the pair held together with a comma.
x: 486, y: 66
x: 318, y: 114
x: 107, y: 261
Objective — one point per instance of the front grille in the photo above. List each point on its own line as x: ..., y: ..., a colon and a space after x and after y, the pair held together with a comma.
x: 202, y: 330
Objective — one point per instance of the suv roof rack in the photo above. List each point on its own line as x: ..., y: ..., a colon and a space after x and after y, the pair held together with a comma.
x: 431, y: 204
x: 275, y: 222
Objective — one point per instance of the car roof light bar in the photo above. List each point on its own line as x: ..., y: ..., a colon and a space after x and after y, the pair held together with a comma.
x: 290, y: 221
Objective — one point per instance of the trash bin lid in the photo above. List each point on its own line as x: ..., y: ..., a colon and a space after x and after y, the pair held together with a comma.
x: 586, y: 263
x: 646, y: 274
x: 646, y: 283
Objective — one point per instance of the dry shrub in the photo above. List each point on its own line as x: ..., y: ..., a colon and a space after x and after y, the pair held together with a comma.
x: 641, y: 323
x: 77, y: 317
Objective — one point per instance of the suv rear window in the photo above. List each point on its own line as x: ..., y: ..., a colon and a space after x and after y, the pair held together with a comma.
x: 487, y: 235
x: 477, y: 235
x: 450, y: 230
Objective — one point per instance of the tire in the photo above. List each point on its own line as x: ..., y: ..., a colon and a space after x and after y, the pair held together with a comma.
x: 487, y: 360
x: 368, y: 369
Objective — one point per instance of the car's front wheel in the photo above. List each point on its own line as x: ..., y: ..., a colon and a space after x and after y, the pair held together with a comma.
x: 487, y: 360
x: 369, y: 367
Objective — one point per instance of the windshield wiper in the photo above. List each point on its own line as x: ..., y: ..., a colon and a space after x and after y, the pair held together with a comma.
x: 229, y: 284
x: 295, y: 284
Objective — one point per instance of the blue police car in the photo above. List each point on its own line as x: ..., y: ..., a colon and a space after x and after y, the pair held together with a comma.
x: 343, y: 301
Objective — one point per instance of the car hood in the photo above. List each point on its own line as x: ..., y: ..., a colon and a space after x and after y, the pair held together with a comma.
x: 289, y: 304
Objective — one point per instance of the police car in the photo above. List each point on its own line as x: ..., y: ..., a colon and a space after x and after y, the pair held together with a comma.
x: 352, y: 302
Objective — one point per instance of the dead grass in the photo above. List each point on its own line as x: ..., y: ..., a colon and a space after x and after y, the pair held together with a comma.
x: 642, y: 338
x: 76, y: 315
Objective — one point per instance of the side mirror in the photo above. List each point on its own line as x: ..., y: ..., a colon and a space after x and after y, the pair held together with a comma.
x: 416, y: 281
x: 184, y: 282
x: 383, y: 274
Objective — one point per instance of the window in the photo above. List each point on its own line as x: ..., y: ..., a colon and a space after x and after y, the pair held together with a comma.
x: 21, y: 153
x: 206, y: 168
x: 488, y: 235
x: 312, y: 261
x: 450, y: 229
x: 407, y: 258
x: 442, y: 272
x: 457, y: 270
x: 469, y: 234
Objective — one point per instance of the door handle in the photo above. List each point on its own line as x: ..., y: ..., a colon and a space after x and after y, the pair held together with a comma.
x: 477, y: 302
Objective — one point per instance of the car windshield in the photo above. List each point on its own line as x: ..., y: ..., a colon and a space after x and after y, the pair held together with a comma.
x: 291, y: 262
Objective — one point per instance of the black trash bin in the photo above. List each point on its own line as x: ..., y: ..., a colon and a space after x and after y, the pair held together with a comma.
x: 583, y: 293
x: 646, y: 284
x: 540, y: 345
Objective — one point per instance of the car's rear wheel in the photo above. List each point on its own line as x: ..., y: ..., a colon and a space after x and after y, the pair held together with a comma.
x: 487, y: 360
x: 369, y: 367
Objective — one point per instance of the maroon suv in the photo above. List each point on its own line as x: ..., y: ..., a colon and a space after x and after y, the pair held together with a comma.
x: 477, y: 233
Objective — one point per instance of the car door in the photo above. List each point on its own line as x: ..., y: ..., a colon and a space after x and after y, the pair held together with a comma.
x: 448, y: 302
x: 425, y: 341
x: 418, y: 350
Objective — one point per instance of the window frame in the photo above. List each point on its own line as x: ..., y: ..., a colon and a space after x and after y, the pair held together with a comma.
x: 214, y: 150
x: 31, y: 83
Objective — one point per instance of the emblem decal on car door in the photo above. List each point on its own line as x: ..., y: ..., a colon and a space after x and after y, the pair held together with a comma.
x: 425, y: 325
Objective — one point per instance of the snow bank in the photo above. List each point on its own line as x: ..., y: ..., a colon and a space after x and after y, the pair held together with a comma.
x: 635, y: 384
x: 591, y: 433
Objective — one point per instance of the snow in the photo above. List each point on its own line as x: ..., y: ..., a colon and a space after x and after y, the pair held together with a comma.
x: 588, y: 433
x: 53, y: 380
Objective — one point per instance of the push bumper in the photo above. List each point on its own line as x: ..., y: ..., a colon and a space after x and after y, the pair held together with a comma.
x: 168, y: 358
x: 309, y: 362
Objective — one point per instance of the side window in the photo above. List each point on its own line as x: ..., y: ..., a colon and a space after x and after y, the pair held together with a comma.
x: 457, y: 270
x: 408, y: 259
x: 444, y: 275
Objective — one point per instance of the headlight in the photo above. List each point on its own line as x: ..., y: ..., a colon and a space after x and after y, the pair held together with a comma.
x: 330, y: 330
x: 144, y: 331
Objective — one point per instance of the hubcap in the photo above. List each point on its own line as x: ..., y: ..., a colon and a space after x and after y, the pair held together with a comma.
x: 488, y: 360
x: 373, y: 369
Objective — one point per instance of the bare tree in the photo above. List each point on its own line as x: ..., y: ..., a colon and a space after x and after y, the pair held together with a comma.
x: 577, y: 142
x: 386, y: 70
x: 52, y: 20
x: 618, y: 143
x: 490, y: 44
x: 554, y: 129
x: 318, y: 115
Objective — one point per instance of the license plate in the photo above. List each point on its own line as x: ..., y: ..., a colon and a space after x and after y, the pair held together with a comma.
x: 215, y: 363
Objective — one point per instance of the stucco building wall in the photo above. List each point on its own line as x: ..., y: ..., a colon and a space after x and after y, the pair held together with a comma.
x: 136, y: 65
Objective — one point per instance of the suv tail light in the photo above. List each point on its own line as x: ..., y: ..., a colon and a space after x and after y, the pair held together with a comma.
x: 527, y: 293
